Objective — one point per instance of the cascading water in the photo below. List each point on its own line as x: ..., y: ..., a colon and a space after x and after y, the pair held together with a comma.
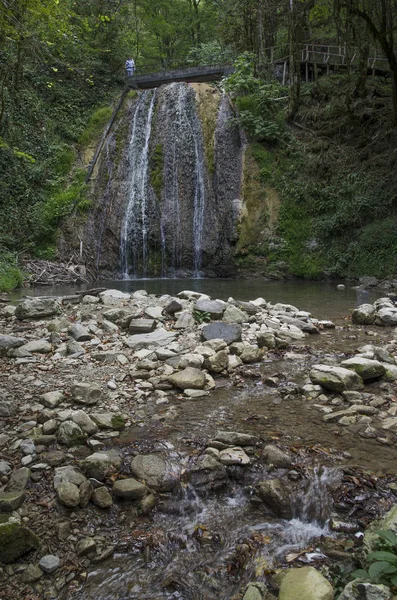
x: 135, y: 223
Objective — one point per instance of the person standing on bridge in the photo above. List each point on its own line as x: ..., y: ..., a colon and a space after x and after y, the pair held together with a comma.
x: 130, y: 67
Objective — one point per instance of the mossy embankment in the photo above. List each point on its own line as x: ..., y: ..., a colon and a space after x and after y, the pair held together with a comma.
x: 336, y: 179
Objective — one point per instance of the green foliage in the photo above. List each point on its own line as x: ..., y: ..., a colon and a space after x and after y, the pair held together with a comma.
x: 65, y: 201
x: 11, y: 275
x: 210, y: 53
x: 200, y: 316
x: 242, y: 81
x: 382, y: 564
x: 95, y: 125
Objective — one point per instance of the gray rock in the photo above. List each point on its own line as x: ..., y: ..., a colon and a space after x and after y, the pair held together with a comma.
x: 15, y: 540
x: 37, y: 308
x: 364, y: 315
x: 251, y: 354
x: 229, y: 332
x: 102, y: 464
x: 9, y: 342
x: 101, y: 497
x: 86, y: 393
x: 31, y: 574
x: 155, y: 471
x: 366, y: 368
x: 79, y: 333
x: 206, y: 471
x: 10, y: 501
x: 276, y: 494
x: 213, y: 307
x: 185, y: 321
x: 7, y: 409
x: 387, y: 317
x: 49, y: 563
x: 52, y: 399
x: 68, y: 494
x: 158, y: 338
x: 74, y: 348
x: 86, y: 546
x: 27, y: 446
x: 107, y: 420
x: 335, y: 379
x: 266, y: 339
x: 50, y: 426
x: 233, y: 314
x: 234, y: 438
x: 305, y: 583
x: 173, y: 307
x: 276, y: 457
x: 5, y: 468
x: 70, y: 434
x: 129, y: 489
x: 113, y: 297
x: 85, y: 492
x: 84, y: 422
x: 217, y: 362
x: 234, y: 456
x: 139, y: 326
x: 39, y: 346
x: 68, y: 474
x: 255, y: 591
x: 19, y: 480
x: 189, y: 378
x: 358, y: 590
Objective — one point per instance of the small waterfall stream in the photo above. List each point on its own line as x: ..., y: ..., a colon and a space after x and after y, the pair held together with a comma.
x: 135, y: 223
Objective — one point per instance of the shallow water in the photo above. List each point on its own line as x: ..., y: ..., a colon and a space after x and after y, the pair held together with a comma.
x: 322, y: 299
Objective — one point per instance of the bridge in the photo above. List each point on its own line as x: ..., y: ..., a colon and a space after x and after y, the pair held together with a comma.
x: 188, y: 74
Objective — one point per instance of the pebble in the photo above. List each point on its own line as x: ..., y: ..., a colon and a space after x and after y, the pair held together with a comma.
x: 49, y: 563
x: 112, y: 385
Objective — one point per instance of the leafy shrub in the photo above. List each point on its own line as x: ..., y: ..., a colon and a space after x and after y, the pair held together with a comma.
x: 382, y: 564
x: 210, y: 53
x: 201, y: 316
x: 95, y: 125
x: 11, y: 275
x: 64, y: 202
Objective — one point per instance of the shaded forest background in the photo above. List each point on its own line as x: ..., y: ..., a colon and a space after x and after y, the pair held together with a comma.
x: 328, y: 148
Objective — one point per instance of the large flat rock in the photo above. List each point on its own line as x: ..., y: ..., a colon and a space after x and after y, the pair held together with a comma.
x: 305, y: 584
x: 335, y: 379
x: 159, y: 337
x: 228, y: 332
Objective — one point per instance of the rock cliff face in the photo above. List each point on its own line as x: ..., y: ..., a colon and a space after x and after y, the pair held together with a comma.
x: 165, y: 192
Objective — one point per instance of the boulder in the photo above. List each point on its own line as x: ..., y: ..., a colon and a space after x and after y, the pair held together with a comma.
x: 70, y: 434
x: 305, y: 583
x: 336, y: 379
x: 129, y: 489
x: 19, y: 480
x: 366, y: 368
x: 108, y: 420
x: 387, y: 316
x: 86, y: 393
x: 102, y: 464
x: 173, y: 307
x: 155, y: 471
x: 113, y: 297
x: 189, y: 378
x: 68, y: 494
x: 251, y: 354
x: 15, y: 539
x: 266, y: 339
x: 255, y: 591
x: 85, y: 492
x: 86, y: 546
x: 214, y: 308
x: 9, y: 342
x: 37, y: 308
x: 228, y: 332
x: 276, y: 494
x: 84, y: 422
x: 364, y: 315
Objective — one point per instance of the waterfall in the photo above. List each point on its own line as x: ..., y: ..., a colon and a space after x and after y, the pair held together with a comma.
x: 109, y: 165
x: 134, y: 232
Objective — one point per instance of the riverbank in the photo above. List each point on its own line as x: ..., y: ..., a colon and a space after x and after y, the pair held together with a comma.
x: 140, y: 435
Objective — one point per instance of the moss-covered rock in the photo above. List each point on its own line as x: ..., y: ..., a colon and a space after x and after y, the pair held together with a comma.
x: 15, y: 539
